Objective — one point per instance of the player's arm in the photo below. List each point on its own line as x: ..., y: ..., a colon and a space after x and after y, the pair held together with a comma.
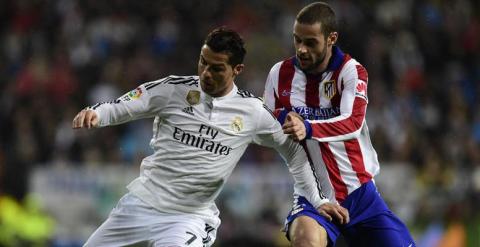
x: 269, y: 133
x: 142, y: 102
x: 270, y: 94
x: 348, y: 124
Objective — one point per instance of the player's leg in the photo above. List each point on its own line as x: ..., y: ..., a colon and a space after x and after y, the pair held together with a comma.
x: 305, y: 231
x: 186, y: 230
x: 127, y: 224
x: 384, y: 229
x: 371, y: 221
x: 306, y: 227
x: 133, y: 222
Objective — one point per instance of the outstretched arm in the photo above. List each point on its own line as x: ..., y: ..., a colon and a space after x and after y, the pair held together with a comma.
x: 270, y: 134
x: 305, y: 181
x: 144, y: 101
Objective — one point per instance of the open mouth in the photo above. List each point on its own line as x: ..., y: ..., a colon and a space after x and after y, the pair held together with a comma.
x: 302, y: 58
x: 303, y: 61
x: 207, y: 84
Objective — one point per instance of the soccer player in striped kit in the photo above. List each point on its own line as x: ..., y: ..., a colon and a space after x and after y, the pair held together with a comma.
x: 202, y: 126
x: 320, y: 97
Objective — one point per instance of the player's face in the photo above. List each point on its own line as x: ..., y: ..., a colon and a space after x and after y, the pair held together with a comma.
x: 216, y: 74
x: 311, y: 46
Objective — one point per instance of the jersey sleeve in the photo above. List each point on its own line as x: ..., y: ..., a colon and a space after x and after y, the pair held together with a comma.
x: 270, y: 87
x: 353, y: 105
x: 270, y: 94
x: 142, y: 102
x: 270, y: 134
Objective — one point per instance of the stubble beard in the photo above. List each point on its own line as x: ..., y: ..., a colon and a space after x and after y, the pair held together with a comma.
x: 311, y: 69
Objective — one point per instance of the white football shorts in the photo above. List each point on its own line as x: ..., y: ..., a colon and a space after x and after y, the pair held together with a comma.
x: 133, y: 222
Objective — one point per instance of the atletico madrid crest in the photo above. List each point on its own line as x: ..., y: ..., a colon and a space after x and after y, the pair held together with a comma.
x: 329, y: 89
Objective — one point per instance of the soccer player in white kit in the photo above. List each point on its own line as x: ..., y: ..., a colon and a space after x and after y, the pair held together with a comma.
x: 202, y: 126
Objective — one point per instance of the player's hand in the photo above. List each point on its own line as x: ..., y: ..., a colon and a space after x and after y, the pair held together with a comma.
x: 86, y: 118
x: 294, y: 126
x: 334, y: 211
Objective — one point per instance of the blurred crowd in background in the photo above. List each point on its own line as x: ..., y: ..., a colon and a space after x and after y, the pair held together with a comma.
x: 423, y: 59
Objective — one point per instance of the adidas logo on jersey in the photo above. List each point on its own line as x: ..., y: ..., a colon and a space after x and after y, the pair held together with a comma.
x: 188, y: 110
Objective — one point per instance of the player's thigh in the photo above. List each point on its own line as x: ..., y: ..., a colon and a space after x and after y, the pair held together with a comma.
x: 186, y: 230
x: 110, y: 233
x: 382, y: 230
x: 128, y: 223
x: 305, y: 231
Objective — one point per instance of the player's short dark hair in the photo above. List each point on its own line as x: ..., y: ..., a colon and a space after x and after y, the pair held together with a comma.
x: 318, y: 12
x: 227, y: 41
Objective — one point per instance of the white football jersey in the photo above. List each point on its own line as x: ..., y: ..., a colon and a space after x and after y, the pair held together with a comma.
x: 198, y: 140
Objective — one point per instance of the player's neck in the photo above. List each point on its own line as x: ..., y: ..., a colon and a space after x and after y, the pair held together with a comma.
x: 226, y: 91
x: 324, y: 64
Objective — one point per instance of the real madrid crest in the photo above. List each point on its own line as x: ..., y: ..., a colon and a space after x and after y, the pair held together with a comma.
x: 237, y: 124
x: 193, y: 97
x: 329, y: 89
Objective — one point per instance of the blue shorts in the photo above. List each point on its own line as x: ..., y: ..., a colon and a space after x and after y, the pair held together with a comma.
x: 371, y: 222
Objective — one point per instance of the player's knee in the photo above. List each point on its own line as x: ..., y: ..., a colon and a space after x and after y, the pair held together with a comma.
x: 308, y: 243
x: 309, y: 240
x: 306, y: 232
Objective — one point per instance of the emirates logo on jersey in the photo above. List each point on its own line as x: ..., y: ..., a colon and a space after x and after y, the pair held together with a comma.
x: 329, y: 89
x: 203, y: 139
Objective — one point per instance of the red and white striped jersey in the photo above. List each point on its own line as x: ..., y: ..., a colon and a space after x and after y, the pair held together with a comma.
x: 334, y: 106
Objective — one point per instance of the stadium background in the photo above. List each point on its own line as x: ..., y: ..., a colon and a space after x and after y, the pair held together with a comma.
x: 57, y: 56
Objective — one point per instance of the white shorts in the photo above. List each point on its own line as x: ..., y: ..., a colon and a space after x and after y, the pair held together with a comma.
x: 133, y: 222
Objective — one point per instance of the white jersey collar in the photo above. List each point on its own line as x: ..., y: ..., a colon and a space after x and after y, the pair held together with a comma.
x: 230, y: 94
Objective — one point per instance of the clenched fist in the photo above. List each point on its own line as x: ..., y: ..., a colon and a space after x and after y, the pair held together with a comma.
x: 86, y: 118
x: 294, y: 126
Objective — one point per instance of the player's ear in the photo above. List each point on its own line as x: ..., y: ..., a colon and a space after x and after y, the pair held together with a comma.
x: 237, y: 69
x: 332, y: 38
